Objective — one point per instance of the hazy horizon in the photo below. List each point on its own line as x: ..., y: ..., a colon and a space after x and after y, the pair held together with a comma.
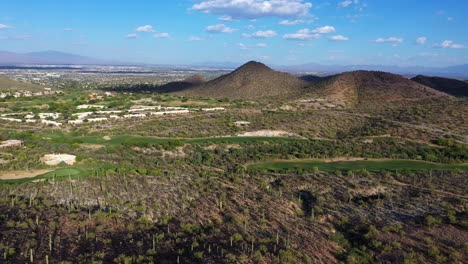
x: 280, y: 32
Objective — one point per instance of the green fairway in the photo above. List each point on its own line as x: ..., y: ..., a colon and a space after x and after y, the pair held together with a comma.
x: 57, y: 174
x: 370, y: 165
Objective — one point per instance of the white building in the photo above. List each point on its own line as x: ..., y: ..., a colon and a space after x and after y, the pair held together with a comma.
x: 82, y: 115
x: 49, y: 122
x: 52, y: 115
x: 137, y: 108
x: 12, y: 119
x: 75, y: 122
x: 214, y: 109
x: 134, y: 115
x: 90, y: 106
x: 241, y: 123
x: 171, y: 112
x: 97, y: 119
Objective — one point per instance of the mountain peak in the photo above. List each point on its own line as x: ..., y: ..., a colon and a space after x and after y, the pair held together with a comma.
x: 251, y: 80
x: 254, y: 65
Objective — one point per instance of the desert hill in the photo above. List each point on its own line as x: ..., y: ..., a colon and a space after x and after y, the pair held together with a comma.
x: 363, y: 87
x: 182, y: 85
x: 251, y: 80
x: 451, y: 86
x: 7, y: 84
x: 312, y: 78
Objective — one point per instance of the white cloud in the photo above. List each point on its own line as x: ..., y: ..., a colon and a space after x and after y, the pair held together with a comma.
x: 448, y: 44
x: 227, y: 18
x: 345, y: 3
x: 261, y: 34
x: 324, y: 30
x: 252, y: 9
x: 18, y: 37
x: 242, y: 46
x: 3, y: 26
x: 249, y: 27
x: 220, y: 28
x: 131, y: 36
x: 450, y: 18
x: 291, y: 23
x: 147, y: 28
x: 161, y: 35
x: 68, y: 29
x: 388, y: 40
x: 302, y: 35
x: 421, y: 40
x: 192, y: 39
x: 338, y: 38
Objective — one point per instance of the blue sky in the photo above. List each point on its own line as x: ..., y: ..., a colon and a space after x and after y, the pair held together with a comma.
x: 282, y: 32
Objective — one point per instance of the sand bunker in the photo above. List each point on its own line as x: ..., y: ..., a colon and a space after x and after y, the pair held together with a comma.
x: 267, y: 133
x: 14, y: 175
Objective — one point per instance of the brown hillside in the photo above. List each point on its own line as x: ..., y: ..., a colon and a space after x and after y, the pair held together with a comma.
x: 182, y: 85
x: 446, y: 85
x: 195, y: 79
x: 364, y: 87
x: 252, y: 80
x: 7, y: 84
x: 312, y: 78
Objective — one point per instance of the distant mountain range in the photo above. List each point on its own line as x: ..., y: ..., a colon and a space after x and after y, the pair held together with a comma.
x: 61, y: 58
x: 459, y: 70
x: 452, y: 71
x: 51, y: 57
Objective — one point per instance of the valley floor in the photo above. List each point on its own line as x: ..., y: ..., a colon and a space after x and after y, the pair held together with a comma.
x: 374, y: 184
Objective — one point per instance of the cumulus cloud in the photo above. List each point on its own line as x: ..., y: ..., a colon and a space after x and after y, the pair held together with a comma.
x: 345, y: 3
x: 291, y: 23
x: 253, y: 9
x: 242, y: 46
x: 338, y: 38
x: 192, y: 39
x: 448, y: 44
x: 161, y: 35
x: 220, y: 28
x: 18, y: 37
x: 324, y: 30
x: 261, y: 34
x: 146, y: 28
x: 3, y: 26
x: 302, y: 35
x: 249, y: 27
x: 388, y: 40
x: 131, y: 36
x: 421, y: 40
x: 227, y: 18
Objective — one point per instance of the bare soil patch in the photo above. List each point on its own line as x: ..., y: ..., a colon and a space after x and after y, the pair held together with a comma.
x: 14, y: 175
x: 92, y: 146
x: 268, y: 133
